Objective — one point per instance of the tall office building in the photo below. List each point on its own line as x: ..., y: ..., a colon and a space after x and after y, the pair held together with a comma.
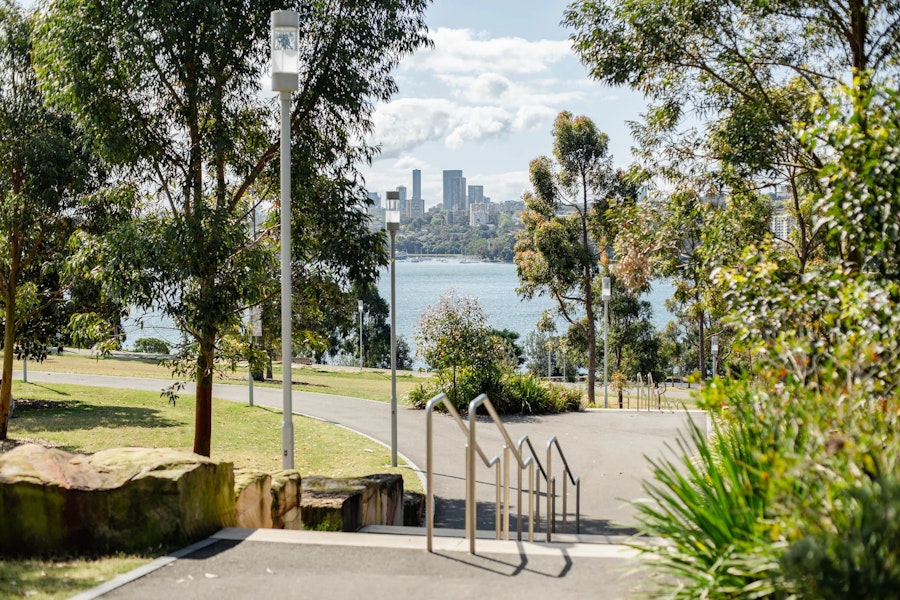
x: 416, y: 208
x: 475, y: 195
x: 402, y: 190
x: 375, y: 198
x: 417, y: 184
x: 454, y: 190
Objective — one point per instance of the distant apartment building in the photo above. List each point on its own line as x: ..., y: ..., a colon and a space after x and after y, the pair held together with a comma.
x: 454, y: 191
x: 416, y: 208
x: 376, y: 200
x: 475, y: 195
x: 781, y: 223
x: 480, y: 214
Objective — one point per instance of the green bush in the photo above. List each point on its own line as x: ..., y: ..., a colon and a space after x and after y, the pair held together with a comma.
x: 151, y: 346
x: 510, y: 392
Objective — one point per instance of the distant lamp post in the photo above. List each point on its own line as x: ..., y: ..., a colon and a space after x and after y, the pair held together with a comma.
x: 714, y: 350
x: 359, y: 306
x: 285, y: 45
x: 606, y: 294
x: 392, y: 224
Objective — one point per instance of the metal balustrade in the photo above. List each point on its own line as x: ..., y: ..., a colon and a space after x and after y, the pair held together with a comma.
x: 509, y: 450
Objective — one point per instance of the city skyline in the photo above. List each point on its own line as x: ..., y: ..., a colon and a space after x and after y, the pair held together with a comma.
x: 484, y: 99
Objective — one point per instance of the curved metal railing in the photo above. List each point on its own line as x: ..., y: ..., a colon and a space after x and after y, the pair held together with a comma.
x: 551, y: 491
x: 509, y: 450
x: 429, y: 476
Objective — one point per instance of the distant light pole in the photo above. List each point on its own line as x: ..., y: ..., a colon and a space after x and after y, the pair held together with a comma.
x: 714, y: 350
x: 285, y: 46
x: 359, y: 306
x: 392, y: 224
x: 607, y: 292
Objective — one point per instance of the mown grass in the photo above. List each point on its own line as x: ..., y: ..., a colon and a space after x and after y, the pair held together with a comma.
x: 87, y: 419
x: 372, y: 384
x: 57, y: 579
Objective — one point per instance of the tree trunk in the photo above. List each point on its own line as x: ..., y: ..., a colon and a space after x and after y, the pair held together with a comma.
x: 9, y: 340
x: 203, y: 398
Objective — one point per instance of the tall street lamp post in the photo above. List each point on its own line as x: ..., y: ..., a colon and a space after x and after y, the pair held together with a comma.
x: 606, y: 293
x: 714, y: 350
x: 392, y: 224
x: 359, y: 306
x: 285, y: 26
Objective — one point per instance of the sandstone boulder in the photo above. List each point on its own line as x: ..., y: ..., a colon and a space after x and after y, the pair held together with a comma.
x: 348, y: 504
x: 52, y: 501
x: 252, y: 499
x: 286, y: 491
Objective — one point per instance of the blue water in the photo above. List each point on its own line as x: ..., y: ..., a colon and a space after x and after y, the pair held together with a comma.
x: 420, y: 284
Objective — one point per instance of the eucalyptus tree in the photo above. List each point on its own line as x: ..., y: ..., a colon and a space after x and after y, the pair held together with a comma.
x: 564, y: 245
x: 727, y: 82
x: 172, y: 92
x: 44, y: 171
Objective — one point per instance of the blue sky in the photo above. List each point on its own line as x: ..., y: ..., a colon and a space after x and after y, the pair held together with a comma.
x: 484, y: 99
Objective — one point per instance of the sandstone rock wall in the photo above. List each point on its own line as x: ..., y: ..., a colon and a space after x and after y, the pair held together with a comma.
x: 53, y: 501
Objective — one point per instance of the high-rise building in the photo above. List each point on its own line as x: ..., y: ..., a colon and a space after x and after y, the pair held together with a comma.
x: 375, y: 198
x: 475, y: 195
x: 417, y: 184
x: 416, y: 208
x: 454, y: 190
x: 402, y: 190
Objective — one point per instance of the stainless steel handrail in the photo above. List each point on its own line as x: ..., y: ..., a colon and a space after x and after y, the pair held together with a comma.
x: 483, y: 400
x: 472, y: 448
x: 551, y: 490
x: 429, y: 478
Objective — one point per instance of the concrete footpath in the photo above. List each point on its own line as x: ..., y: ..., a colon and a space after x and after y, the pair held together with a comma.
x: 244, y: 563
x: 606, y: 449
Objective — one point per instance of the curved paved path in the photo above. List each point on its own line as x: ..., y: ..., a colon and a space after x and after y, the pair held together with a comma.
x: 606, y: 448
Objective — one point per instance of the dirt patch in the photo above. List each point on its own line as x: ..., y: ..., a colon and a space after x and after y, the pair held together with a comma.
x: 9, y: 444
x: 27, y: 405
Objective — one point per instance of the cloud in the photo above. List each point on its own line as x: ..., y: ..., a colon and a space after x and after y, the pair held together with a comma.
x: 408, y: 123
x: 494, y: 88
x: 461, y: 51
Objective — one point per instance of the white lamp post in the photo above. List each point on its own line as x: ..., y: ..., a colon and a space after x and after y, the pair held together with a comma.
x: 359, y: 307
x: 285, y: 45
x: 392, y: 224
x: 714, y: 350
x: 606, y: 293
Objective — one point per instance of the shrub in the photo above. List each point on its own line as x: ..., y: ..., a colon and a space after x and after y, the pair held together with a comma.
x: 151, y: 346
x: 510, y: 392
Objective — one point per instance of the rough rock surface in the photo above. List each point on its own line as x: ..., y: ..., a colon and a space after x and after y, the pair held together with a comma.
x: 252, y: 499
x: 267, y: 500
x: 52, y: 501
x: 348, y: 504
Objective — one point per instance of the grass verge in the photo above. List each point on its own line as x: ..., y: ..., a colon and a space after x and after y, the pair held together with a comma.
x: 372, y: 384
x: 87, y: 419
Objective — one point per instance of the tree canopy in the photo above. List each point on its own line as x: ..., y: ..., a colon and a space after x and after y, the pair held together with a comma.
x: 45, y: 172
x: 173, y: 96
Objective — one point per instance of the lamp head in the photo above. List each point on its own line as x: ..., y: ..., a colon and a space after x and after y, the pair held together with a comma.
x: 392, y: 211
x: 285, y: 46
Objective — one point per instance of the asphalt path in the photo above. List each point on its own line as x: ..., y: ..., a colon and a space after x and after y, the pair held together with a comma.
x: 606, y: 449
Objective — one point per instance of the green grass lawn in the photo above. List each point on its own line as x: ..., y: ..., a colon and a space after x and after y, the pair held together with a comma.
x: 87, y: 419
x: 373, y: 384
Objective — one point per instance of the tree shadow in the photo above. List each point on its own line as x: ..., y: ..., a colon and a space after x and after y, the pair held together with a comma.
x: 84, y: 416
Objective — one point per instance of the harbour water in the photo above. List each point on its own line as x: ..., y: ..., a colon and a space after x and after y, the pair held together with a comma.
x: 421, y: 284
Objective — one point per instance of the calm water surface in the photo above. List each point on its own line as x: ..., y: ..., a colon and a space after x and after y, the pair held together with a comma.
x: 420, y: 284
